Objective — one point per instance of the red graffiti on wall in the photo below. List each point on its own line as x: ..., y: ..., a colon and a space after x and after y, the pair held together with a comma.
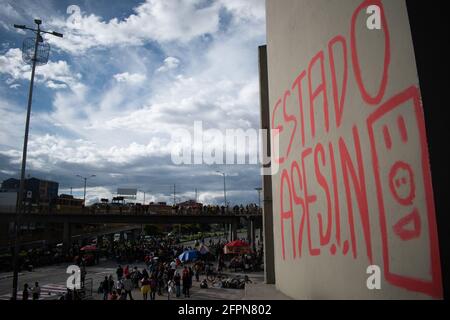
x: 401, y: 179
x: 338, y: 168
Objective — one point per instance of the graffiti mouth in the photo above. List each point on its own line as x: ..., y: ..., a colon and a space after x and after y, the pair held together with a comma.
x: 408, y: 227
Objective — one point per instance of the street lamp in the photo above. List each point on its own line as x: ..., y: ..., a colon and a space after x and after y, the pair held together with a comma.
x: 85, y: 180
x: 259, y: 189
x: 144, y: 194
x: 34, y: 52
x: 224, y: 188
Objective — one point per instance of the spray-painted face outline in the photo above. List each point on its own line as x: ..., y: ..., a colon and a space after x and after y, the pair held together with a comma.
x: 396, y: 181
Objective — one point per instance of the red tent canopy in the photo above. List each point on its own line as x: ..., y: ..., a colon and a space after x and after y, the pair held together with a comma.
x: 237, y: 246
x: 237, y: 243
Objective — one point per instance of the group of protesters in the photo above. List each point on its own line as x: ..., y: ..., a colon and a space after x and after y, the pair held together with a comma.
x: 161, y: 279
x: 163, y: 274
x: 157, y: 278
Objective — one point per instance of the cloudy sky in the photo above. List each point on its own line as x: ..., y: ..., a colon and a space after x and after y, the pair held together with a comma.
x: 126, y: 75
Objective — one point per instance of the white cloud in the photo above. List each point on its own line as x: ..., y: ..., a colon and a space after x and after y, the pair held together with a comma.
x: 250, y: 10
x: 53, y: 85
x: 169, y: 64
x: 123, y: 104
x: 168, y: 20
x: 132, y: 78
x: 54, y: 74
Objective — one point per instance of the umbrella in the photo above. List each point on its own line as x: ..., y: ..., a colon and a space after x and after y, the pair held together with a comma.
x: 89, y: 248
x: 237, y: 246
x: 203, y: 249
x: 188, y: 255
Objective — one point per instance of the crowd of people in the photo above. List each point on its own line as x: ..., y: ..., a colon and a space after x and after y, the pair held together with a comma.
x: 187, y: 208
x: 215, y: 209
x: 164, y: 274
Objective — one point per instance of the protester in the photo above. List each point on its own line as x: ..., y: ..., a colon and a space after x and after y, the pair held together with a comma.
x: 105, y: 288
x: 197, y: 272
x: 153, y: 288
x: 110, y: 284
x: 128, y: 287
x: 185, y: 279
x: 25, y: 293
x: 145, y: 287
x: 119, y: 273
x: 190, y: 276
x: 177, y: 280
x: 170, y: 288
x: 36, y: 291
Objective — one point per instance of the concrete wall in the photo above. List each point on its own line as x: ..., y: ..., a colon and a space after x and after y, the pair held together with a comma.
x: 353, y: 187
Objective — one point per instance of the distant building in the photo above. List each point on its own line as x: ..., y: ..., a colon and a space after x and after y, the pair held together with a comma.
x: 68, y: 200
x: 39, y: 191
x: 190, y: 203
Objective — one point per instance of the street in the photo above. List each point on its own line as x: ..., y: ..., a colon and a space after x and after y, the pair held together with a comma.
x: 52, y: 281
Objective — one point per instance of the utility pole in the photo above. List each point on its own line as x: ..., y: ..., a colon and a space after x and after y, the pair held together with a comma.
x: 85, y: 183
x: 195, y: 195
x: 224, y: 188
x: 259, y: 189
x: 36, y: 59
x: 174, y: 202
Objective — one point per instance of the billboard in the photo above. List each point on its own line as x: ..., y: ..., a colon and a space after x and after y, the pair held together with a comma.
x: 354, y: 187
x: 127, y: 193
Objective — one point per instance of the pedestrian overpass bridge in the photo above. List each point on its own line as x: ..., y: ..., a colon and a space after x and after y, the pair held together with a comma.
x: 67, y: 219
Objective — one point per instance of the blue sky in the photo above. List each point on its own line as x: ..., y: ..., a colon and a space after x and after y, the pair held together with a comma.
x: 123, y: 78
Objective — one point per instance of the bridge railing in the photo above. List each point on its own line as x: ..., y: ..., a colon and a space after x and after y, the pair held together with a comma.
x: 133, y: 211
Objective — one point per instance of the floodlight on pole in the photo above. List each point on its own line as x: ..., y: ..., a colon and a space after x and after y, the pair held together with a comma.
x: 34, y: 52
x: 224, y: 188
x: 85, y: 182
x: 259, y: 189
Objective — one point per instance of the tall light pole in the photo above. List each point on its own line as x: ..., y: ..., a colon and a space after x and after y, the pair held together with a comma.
x: 144, y: 192
x: 224, y: 188
x: 259, y: 189
x: 35, y: 58
x: 85, y: 182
